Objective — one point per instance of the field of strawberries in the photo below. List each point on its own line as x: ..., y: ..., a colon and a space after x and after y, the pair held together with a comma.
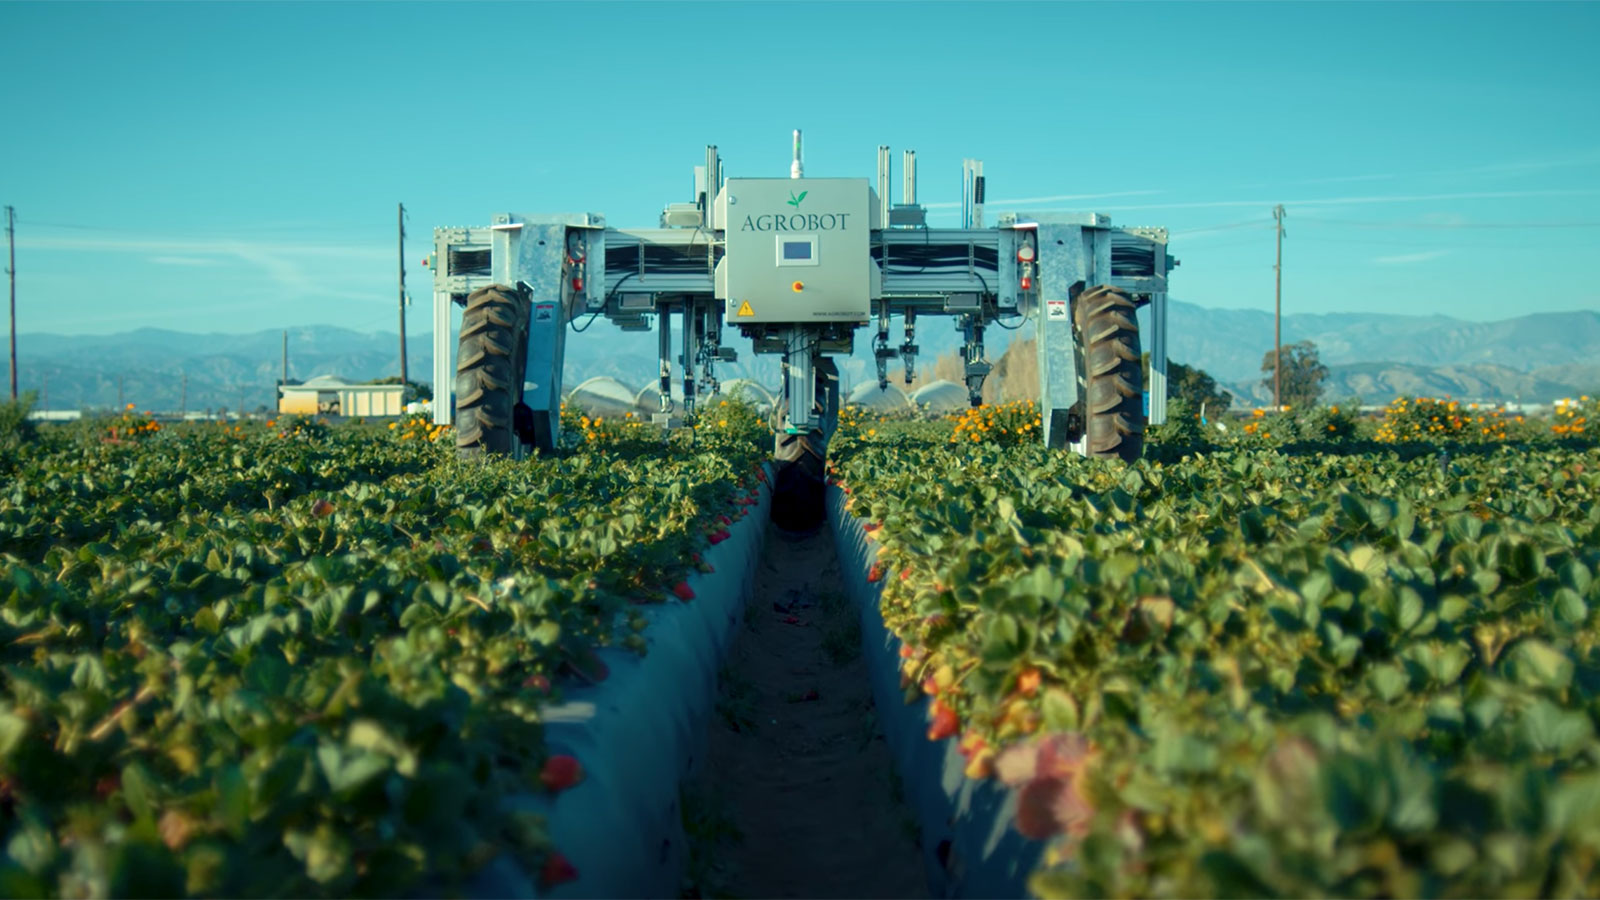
x: 1316, y: 657
x: 1345, y: 668
x: 302, y: 660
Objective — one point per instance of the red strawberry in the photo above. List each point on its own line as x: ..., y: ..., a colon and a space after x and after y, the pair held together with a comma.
x: 556, y: 870
x: 682, y: 591
x: 536, y: 683
x: 560, y: 772
x: 875, y: 575
x: 322, y: 508
x: 906, y: 652
x: 945, y: 724
x: 905, y: 574
x: 724, y: 520
x: 720, y: 536
x: 870, y: 527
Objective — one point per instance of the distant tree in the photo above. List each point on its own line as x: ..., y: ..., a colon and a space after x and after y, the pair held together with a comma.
x: 1303, y: 374
x: 1194, y: 386
x: 415, y: 390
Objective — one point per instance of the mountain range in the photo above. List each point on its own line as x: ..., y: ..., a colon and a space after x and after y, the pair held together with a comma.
x: 1533, y: 358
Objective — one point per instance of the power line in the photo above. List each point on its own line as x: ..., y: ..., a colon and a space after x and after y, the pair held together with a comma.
x: 401, y: 217
x: 1277, y: 315
x: 1450, y: 225
x: 11, y: 274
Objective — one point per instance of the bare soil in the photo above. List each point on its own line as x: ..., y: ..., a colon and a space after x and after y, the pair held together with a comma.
x: 799, y: 797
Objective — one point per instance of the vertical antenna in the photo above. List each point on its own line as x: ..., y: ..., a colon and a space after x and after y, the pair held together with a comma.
x: 405, y: 384
x: 977, y: 193
x: 883, y: 185
x: 796, y: 170
x: 1277, y: 315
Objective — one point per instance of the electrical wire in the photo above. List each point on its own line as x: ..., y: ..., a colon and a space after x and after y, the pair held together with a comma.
x: 1447, y: 225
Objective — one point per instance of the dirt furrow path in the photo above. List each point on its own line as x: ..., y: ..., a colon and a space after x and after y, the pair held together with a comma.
x: 798, y: 797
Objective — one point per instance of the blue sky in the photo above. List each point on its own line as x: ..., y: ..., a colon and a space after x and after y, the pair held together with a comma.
x: 233, y: 167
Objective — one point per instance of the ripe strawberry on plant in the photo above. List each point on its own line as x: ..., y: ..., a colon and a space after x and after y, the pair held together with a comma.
x: 945, y: 724
x: 556, y: 870
x: 682, y: 591
x: 560, y: 772
x: 875, y: 574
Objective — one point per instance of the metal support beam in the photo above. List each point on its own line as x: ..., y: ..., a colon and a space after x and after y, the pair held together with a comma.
x: 444, y: 376
x: 542, y: 267
x: 800, y: 381
x: 883, y: 184
x: 1158, y: 359
x: 1062, y: 264
x: 691, y: 349
x: 664, y: 350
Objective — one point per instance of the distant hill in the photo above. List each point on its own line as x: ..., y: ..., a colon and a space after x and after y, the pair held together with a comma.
x: 1230, y: 343
x: 1378, y: 383
x: 1536, y: 357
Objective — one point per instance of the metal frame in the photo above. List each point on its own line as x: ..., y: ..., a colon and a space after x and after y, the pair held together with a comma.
x: 575, y: 265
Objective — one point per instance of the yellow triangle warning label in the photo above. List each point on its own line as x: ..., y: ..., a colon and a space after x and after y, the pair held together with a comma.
x: 745, y: 310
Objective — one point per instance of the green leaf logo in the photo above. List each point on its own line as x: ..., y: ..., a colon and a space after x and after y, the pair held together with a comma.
x: 795, y: 201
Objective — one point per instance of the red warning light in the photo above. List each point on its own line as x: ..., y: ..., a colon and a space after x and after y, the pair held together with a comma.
x: 577, y: 284
x: 1027, y: 283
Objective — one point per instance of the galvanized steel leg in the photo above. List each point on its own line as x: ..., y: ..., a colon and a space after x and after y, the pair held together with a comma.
x: 444, y: 382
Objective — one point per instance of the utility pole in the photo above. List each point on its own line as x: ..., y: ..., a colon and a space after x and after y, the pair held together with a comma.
x: 1277, y: 315
x: 11, y: 272
x: 285, y: 378
x: 404, y: 383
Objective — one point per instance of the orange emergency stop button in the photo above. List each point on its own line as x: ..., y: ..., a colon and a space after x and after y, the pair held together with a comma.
x: 799, y: 286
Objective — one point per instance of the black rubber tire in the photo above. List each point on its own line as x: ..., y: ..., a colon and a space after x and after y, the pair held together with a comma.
x: 798, y: 492
x: 490, y: 363
x: 1113, y: 390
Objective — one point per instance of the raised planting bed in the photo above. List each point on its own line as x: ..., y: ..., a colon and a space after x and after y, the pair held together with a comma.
x: 1359, y: 673
x: 308, y: 661
x: 969, y: 846
x: 638, y: 731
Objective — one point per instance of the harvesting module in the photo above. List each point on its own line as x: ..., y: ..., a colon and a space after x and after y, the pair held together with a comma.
x: 799, y: 265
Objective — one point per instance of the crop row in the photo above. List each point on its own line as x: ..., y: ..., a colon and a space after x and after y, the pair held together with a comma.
x: 251, y: 661
x: 1244, y: 672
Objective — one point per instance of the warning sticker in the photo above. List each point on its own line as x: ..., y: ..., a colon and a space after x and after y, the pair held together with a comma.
x: 745, y: 310
x: 544, y: 312
x: 1055, y: 309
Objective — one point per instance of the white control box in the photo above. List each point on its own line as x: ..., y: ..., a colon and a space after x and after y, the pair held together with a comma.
x: 797, y: 250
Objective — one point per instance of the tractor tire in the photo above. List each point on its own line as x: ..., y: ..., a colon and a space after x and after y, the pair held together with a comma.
x: 491, y: 360
x: 1113, y: 390
x: 799, y: 490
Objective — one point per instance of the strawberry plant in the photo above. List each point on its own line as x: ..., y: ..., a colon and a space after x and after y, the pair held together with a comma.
x: 235, y: 663
x: 1337, y: 674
